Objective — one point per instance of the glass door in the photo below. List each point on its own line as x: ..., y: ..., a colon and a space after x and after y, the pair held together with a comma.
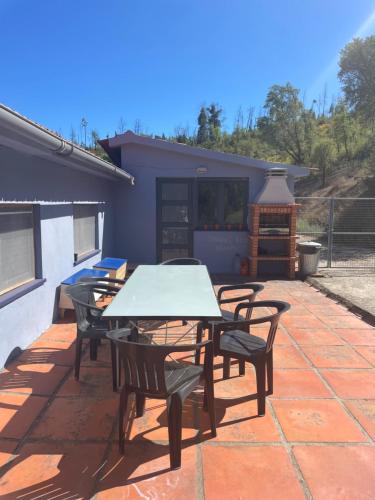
x: 174, y: 204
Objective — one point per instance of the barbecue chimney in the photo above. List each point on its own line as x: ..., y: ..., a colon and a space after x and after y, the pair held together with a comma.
x: 275, y: 189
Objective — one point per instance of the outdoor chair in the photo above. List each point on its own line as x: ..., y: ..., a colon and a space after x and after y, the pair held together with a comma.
x: 232, y: 339
x: 250, y: 291
x: 148, y: 374
x: 90, y: 324
x: 184, y: 261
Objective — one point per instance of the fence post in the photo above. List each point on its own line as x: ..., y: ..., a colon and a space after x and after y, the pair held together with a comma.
x: 330, y: 231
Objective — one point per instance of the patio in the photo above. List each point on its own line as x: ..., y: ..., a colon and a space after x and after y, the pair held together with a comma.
x: 59, y: 436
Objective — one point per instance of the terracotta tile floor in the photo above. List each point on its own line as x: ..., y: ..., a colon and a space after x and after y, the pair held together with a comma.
x: 58, y: 436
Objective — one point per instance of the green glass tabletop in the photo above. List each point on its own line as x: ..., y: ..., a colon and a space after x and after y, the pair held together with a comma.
x: 166, y: 292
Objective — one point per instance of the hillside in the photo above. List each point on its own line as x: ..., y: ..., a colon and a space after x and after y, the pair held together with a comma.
x: 348, y: 182
x: 350, y: 215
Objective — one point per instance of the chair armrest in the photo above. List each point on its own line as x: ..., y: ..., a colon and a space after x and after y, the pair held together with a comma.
x: 193, y: 347
x: 239, y: 298
x: 281, y: 307
x: 106, y: 289
x: 115, y: 280
x: 255, y: 287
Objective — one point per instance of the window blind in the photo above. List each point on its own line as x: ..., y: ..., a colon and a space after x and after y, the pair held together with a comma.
x: 17, y: 259
x: 84, y: 228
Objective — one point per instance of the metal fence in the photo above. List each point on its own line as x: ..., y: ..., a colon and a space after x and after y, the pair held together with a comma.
x: 344, y: 226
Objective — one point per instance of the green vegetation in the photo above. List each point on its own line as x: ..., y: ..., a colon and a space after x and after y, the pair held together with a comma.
x: 326, y: 138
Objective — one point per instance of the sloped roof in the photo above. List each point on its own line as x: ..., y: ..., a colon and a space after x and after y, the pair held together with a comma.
x: 113, y: 146
x: 21, y: 133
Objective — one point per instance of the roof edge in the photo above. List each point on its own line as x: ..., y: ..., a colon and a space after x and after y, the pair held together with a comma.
x: 22, y: 129
x: 130, y: 137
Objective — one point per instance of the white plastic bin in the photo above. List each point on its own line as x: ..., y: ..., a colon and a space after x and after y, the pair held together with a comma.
x: 309, y: 254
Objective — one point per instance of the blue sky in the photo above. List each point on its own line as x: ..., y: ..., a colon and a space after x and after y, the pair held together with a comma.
x: 158, y: 61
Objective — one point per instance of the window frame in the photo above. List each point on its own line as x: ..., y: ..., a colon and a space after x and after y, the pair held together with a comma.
x: 78, y: 258
x: 221, y: 225
x: 18, y: 290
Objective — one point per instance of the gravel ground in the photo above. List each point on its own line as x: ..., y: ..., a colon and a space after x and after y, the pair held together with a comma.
x: 354, y: 287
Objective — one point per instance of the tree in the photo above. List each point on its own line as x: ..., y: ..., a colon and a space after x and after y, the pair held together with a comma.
x: 357, y: 76
x: 250, y: 118
x: 73, y: 135
x: 181, y: 134
x: 214, y: 122
x: 322, y: 157
x: 343, y: 130
x: 94, y: 139
x: 121, y: 125
x: 137, y: 126
x: 287, y: 125
x: 203, y: 133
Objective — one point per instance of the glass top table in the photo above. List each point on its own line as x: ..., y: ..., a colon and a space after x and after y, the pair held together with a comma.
x: 155, y: 292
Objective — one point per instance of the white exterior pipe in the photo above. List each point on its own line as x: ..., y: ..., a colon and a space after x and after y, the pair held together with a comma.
x: 15, y: 129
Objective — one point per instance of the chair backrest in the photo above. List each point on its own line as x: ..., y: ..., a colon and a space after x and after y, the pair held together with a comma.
x: 272, y: 319
x: 143, y: 362
x: 185, y: 261
x: 104, y: 286
x: 82, y: 296
x: 250, y: 291
x: 91, y: 279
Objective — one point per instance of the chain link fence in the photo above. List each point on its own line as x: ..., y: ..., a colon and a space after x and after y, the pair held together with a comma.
x: 344, y: 226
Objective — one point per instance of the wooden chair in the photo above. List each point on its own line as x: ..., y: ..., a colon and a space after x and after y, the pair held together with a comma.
x: 148, y: 374
x: 232, y: 339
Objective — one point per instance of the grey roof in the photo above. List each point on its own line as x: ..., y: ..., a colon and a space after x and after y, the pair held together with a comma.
x: 21, y: 133
x: 131, y: 138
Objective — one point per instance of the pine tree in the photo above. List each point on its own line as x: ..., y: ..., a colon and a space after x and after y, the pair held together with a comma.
x: 202, y: 134
x: 214, y: 122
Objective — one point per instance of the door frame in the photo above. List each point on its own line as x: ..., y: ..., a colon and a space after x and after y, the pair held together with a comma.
x: 191, y: 213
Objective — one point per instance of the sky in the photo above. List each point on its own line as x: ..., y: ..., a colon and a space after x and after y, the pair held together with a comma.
x: 155, y: 62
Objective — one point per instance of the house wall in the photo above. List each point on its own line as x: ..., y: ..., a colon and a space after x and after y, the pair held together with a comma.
x: 29, y: 179
x: 136, y: 207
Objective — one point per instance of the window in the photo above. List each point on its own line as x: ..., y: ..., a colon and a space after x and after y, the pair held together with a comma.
x: 222, y: 204
x: 17, y: 246
x: 85, y: 229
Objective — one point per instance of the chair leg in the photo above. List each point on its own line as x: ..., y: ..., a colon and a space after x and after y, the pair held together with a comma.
x: 226, y: 367
x: 124, y: 396
x: 210, y: 331
x: 270, y: 372
x: 199, y: 339
x: 175, y: 430
x: 93, y: 349
x: 140, y: 404
x: 118, y: 364
x: 115, y: 381
x: 260, y: 369
x: 209, y: 405
x: 241, y: 367
x: 78, y: 358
